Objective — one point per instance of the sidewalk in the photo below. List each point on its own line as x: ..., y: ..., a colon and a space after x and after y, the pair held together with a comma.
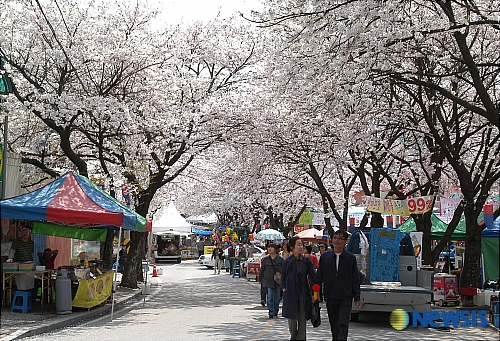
x: 34, y: 323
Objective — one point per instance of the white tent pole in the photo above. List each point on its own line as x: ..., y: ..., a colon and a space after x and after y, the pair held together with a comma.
x: 149, y: 246
x: 116, y: 275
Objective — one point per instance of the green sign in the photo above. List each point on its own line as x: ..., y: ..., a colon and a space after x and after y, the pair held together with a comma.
x: 306, y: 218
x: 5, y: 80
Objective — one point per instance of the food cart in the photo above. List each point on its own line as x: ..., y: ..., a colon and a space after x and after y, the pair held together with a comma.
x: 445, y: 289
x: 252, y: 270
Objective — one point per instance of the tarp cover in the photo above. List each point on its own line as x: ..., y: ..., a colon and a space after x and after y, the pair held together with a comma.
x: 51, y: 229
x: 490, y: 246
x: 72, y: 199
x: 384, y: 254
x: 438, y: 228
x: 202, y: 232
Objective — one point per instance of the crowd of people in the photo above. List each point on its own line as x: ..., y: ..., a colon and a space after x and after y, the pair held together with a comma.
x: 289, y: 271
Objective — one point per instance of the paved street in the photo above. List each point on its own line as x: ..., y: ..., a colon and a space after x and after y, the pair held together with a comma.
x: 194, y: 304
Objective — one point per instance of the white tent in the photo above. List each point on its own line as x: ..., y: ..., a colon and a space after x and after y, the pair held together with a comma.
x: 170, y: 219
x: 202, y: 219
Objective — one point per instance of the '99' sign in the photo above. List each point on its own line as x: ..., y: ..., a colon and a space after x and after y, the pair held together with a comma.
x: 420, y: 204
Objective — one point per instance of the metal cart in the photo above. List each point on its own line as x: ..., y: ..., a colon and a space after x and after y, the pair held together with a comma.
x: 252, y: 270
x: 445, y: 289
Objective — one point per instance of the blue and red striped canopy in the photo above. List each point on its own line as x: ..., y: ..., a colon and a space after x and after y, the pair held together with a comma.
x: 72, y: 199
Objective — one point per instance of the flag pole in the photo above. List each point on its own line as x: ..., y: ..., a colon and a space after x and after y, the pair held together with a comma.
x: 116, y: 275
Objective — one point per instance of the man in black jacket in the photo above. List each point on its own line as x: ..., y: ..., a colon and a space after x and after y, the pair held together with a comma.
x: 338, y: 273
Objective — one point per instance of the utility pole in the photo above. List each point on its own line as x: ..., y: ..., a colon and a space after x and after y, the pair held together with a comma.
x: 5, y: 89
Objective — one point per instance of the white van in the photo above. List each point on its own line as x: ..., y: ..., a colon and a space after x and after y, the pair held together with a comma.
x: 167, y: 246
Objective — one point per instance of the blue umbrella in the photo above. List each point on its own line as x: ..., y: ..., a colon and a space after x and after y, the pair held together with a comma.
x: 270, y: 234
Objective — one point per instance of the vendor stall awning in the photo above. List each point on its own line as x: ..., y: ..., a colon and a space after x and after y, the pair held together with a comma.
x: 202, y: 232
x: 438, y: 228
x: 72, y: 199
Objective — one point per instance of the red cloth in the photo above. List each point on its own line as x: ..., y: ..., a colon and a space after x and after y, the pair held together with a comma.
x: 314, y: 260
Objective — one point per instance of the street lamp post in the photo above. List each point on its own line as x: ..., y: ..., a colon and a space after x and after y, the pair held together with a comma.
x: 5, y: 89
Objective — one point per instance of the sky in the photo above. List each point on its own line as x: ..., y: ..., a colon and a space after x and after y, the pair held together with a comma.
x: 177, y: 11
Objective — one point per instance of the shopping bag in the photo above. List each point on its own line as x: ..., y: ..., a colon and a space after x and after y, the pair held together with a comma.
x: 315, y: 315
x: 277, y: 277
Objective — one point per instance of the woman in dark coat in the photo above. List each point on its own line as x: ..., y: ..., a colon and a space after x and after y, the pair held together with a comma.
x: 297, y: 293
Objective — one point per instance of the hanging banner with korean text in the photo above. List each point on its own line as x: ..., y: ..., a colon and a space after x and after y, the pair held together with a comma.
x: 374, y: 204
x: 416, y: 205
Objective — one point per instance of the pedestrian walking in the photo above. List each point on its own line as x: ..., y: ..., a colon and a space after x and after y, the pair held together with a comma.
x: 338, y: 273
x: 231, y: 253
x: 296, y: 274
x: 308, y: 253
x: 322, y: 249
x: 269, y: 266
x: 284, y: 249
x: 218, y: 255
x: 123, y: 258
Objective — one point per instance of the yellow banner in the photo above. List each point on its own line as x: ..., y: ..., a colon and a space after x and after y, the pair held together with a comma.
x: 395, y: 207
x: 373, y: 204
x: 92, y: 292
x: 405, y: 207
x: 208, y: 249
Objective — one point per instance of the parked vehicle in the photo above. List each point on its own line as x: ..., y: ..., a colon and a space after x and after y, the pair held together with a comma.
x: 207, y: 260
x: 388, y: 296
x: 201, y: 259
x: 167, y: 246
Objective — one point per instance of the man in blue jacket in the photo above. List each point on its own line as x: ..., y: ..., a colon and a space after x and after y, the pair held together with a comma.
x: 338, y: 273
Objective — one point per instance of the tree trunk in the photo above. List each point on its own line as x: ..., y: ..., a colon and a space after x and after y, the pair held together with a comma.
x: 447, y: 235
x: 470, y: 276
x: 377, y: 220
x: 423, y: 224
x: 106, y: 249
x: 133, y: 270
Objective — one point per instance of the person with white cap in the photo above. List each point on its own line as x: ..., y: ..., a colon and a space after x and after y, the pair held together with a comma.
x: 23, y: 247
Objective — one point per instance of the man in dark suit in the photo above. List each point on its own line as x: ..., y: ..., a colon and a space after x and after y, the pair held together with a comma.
x: 338, y: 273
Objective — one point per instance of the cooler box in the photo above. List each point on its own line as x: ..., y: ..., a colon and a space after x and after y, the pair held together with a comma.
x: 26, y: 266
x: 468, y: 291
x: 11, y: 267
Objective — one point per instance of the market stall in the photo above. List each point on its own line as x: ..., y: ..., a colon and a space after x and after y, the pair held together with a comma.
x: 45, y: 276
x: 312, y: 235
x: 489, y: 248
x: 74, y: 207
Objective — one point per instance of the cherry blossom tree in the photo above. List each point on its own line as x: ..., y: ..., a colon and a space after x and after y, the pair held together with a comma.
x: 136, y: 104
x: 350, y: 44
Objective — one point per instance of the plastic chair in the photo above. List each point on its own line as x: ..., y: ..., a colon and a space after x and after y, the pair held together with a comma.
x: 236, y: 271
x: 25, y: 297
